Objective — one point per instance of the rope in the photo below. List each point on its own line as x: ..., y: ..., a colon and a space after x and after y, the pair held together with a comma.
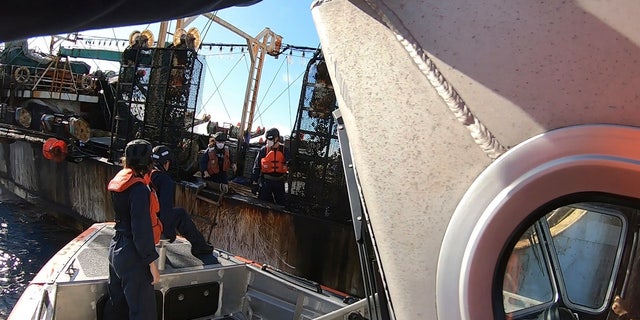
x: 207, y: 26
x: 274, y: 100
x: 289, y: 94
x: 113, y: 30
x: 270, y: 84
x: 217, y: 90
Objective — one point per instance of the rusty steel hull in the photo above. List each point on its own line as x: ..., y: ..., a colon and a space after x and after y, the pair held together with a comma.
x: 321, y: 251
x: 318, y: 249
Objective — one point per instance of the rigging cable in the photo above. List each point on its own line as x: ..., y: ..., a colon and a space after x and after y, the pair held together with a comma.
x: 289, y: 60
x: 297, y: 48
x: 245, y: 63
x: 270, y: 84
x: 287, y: 88
x: 84, y: 46
x: 206, y: 28
x: 113, y: 30
x: 217, y: 90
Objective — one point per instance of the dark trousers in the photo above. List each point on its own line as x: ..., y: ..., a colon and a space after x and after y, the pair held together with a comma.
x: 178, y: 219
x: 272, y: 191
x: 220, y: 177
x: 131, y: 294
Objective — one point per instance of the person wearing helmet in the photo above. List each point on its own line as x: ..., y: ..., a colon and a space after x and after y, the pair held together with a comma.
x: 217, y: 160
x: 132, y: 253
x: 174, y: 218
x: 270, y: 168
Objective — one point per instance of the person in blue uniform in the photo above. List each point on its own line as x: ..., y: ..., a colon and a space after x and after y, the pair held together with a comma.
x: 174, y: 218
x: 217, y: 160
x: 132, y: 253
x: 270, y: 168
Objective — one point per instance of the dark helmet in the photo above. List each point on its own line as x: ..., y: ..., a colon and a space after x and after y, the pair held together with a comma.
x: 138, y: 153
x: 220, y: 137
x: 272, y: 133
x: 161, y: 154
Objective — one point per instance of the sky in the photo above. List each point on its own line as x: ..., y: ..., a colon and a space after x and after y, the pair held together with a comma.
x: 227, y: 72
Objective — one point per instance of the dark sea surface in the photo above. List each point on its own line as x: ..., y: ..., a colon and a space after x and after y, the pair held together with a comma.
x: 29, y: 237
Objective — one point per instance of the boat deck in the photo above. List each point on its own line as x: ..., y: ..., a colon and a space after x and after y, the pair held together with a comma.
x: 73, y: 285
x: 92, y: 259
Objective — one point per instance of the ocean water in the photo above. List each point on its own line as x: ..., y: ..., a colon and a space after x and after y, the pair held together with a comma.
x: 29, y: 237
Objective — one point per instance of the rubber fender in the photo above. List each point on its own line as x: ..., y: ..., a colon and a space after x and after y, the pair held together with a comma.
x: 54, y: 149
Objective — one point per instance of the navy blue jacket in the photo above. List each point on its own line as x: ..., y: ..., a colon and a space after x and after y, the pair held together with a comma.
x: 166, y: 189
x: 133, y: 221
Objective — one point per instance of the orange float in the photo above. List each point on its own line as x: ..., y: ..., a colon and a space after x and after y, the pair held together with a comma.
x: 54, y: 149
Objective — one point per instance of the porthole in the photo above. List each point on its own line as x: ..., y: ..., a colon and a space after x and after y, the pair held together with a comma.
x: 569, y: 262
x: 509, y: 206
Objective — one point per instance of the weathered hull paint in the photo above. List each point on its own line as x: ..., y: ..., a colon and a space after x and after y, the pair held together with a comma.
x: 315, y: 249
x: 75, y: 189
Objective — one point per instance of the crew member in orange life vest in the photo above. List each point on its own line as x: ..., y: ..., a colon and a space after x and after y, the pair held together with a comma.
x: 174, y: 218
x: 270, y: 168
x: 217, y: 160
x: 132, y: 253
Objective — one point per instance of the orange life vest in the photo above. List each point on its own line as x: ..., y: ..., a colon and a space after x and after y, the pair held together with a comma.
x: 154, y: 170
x: 274, y: 162
x: 125, y: 179
x: 212, y: 165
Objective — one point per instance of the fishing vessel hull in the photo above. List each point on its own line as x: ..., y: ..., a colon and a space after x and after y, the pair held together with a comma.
x: 302, y: 245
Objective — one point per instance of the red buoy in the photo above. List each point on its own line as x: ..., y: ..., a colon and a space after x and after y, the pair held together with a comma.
x: 54, y: 149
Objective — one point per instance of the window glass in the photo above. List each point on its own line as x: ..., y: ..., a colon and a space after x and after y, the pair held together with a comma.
x: 526, y: 281
x: 586, y: 243
x: 571, y: 261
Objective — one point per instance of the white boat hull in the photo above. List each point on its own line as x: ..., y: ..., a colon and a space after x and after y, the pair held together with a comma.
x: 73, y: 285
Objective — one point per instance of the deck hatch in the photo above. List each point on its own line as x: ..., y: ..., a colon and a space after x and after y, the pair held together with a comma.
x: 192, y: 301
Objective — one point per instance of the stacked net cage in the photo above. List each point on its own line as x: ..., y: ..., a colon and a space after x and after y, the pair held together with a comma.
x: 316, y: 182
x: 156, y: 99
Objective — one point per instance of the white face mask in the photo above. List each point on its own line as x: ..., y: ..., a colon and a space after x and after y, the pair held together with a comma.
x: 269, y: 143
x: 219, y: 145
